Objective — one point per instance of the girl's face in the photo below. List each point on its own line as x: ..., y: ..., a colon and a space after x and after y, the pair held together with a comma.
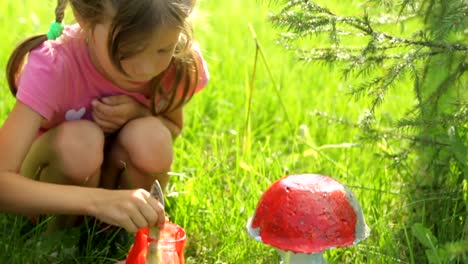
x: 153, y: 58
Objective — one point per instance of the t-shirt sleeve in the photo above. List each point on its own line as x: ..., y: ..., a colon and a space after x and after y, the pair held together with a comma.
x: 203, y: 73
x: 40, y: 80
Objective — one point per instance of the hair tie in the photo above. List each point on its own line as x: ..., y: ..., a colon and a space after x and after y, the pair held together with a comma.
x: 55, y: 30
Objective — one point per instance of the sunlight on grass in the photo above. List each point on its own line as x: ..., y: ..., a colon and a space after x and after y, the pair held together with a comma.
x: 218, y: 176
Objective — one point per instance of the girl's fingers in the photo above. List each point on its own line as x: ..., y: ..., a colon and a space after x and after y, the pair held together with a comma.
x: 117, y: 99
x: 98, y: 115
x: 103, y: 117
x: 104, y: 109
x: 106, y: 126
x: 114, y: 114
x: 129, y: 225
x: 138, y: 218
x: 150, y: 214
x: 142, y: 213
x: 157, y: 207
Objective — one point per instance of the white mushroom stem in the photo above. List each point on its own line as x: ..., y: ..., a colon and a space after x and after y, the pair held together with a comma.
x: 298, y: 258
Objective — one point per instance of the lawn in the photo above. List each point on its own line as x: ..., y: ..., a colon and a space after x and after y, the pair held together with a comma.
x: 223, y: 162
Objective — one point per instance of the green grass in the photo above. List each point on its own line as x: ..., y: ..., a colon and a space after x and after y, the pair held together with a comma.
x: 222, y: 165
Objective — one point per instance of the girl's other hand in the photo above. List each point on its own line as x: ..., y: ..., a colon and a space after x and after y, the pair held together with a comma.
x: 129, y: 209
x: 112, y: 112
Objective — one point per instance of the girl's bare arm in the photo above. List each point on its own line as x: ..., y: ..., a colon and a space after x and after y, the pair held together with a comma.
x: 19, y: 194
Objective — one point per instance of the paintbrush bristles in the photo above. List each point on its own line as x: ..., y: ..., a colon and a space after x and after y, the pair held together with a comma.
x: 157, y: 193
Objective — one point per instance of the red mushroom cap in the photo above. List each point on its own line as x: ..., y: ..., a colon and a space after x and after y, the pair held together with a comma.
x: 308, y: 213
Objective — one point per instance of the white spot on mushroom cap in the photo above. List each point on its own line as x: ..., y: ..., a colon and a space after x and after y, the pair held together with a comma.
x: 362, y: 229
x: 253, y: 232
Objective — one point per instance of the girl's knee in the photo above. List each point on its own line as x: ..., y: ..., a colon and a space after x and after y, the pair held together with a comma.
x: 78, y: 148
x: 148, y: 143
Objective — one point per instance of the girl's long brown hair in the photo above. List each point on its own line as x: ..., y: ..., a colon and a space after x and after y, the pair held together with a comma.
x: 16, y: 60
x: 134, y: 21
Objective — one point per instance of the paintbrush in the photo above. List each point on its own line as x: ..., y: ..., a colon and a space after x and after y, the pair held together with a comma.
x: 153, y: 252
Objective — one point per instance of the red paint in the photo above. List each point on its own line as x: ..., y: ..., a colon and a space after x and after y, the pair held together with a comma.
x: 305, y: 214
x: 171, y: 245
x: 139, y: 250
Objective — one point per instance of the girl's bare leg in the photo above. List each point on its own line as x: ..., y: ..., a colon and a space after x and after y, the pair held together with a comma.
x: 141, y: 153
x: 71, y: 153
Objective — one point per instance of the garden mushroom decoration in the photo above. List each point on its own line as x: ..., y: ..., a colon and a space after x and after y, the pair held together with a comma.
x: 303, y: 215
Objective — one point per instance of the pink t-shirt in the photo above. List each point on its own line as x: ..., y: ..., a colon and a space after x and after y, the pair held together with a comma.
x: 59, y: 80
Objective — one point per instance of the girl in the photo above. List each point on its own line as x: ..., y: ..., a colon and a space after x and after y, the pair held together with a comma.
x: 98, y: 107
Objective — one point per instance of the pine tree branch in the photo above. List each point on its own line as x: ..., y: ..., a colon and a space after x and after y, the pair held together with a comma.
x: 354, y: 55
x: 317, y: 17
x: 390, y: 133
x: 434, y: 98
x: 446, y: 121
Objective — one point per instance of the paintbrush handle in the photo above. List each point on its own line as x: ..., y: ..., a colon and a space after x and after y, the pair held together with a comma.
x: 153, y: 256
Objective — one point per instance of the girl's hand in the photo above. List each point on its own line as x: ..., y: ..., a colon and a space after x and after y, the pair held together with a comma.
x: 112, y: 112
x: 130, y: 209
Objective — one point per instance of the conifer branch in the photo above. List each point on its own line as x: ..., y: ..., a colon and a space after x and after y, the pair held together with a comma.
x: 308, y: 18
